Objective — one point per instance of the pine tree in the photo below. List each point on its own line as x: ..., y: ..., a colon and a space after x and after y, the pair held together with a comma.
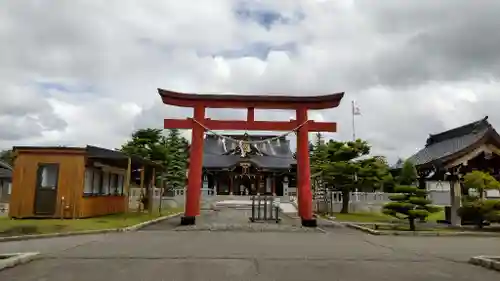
x: 410, y: 204
x: 320, y: 140
x: 339, y: 169
x: 408, y: 174
x: 7, y: 156
x: 177, y: 155
x: 319, y: 154
x: 170, y: 151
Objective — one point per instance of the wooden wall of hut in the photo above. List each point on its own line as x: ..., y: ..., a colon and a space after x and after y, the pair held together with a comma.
x: 70, y: 181
x: 102, y: 205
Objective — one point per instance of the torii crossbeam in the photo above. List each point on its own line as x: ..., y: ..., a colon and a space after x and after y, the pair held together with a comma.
x: 198, y: 124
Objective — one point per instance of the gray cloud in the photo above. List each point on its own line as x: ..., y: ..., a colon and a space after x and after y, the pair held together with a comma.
x: 434, y: 40
x: 415, y: 67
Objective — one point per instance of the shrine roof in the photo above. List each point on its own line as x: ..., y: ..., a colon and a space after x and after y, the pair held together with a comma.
x: 275, y: 154
x: 445, y: 145
x: 270, y: 101
x: 5, y: 165
x: 5, y: 170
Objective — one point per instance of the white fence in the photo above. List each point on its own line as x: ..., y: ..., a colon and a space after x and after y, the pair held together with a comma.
x: 4, y: 209
x: 437, y: 197
x: 359, y: 200
x: 357, y: 196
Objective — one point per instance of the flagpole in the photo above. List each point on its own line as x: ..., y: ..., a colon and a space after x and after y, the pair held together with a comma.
x: 355, y: 176
x: 353, y: 123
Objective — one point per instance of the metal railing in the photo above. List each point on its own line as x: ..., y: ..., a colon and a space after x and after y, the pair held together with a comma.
x: 265, y: 208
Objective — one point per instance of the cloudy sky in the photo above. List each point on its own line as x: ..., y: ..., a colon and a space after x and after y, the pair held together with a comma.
x: 86, y: 72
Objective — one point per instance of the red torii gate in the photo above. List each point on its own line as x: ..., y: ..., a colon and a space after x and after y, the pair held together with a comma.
x: 200, y: 102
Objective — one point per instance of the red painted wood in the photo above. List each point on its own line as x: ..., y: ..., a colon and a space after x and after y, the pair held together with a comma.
x: 246, y: 101
x: 251, y: 114
x: 300, y: 104
x: 304, y: 193
x: 195, y: 166
x: 251, y: 126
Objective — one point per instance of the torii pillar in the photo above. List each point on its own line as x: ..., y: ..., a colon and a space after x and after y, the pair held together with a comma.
x: 199, y: 124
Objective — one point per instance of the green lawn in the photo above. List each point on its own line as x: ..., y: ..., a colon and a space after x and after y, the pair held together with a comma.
x: 363, y: 217
x: 436, y: 216
x: 377, y: 217
x: 404, y: 227
x: 10, y: 227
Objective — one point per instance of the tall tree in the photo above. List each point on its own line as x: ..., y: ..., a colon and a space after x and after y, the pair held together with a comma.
x: 146, y: 143
x: 339, y: 170
x: 373, y: 173
x: 319, y: 154
x: 337, y: 161
x: 7, y: 156
x: 170, y: 151
x: 408, y: 175
x: 319, y: 139
x: 177, y: 157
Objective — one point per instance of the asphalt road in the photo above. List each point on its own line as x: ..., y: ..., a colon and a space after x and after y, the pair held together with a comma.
x: 164, y: 253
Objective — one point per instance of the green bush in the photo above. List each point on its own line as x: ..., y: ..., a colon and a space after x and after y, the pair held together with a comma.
x: 479, y: 211
x: 410, y: 204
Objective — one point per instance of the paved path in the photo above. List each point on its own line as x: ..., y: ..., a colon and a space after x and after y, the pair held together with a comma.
x: 161, y: 253
x: 234, y: 219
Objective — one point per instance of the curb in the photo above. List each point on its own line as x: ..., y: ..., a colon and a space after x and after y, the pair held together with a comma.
x: 17, y: 259
x: 421, y: 233
x: 148, y: 223
x: 362, y: 228
x: 489, y: 262
x: 87, y: 232
x: 333, y: 221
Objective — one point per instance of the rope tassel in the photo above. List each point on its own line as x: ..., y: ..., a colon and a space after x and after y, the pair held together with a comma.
x: 294, y: 130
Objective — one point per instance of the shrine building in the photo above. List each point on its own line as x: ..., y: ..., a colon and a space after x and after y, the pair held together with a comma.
x: 262, y: 165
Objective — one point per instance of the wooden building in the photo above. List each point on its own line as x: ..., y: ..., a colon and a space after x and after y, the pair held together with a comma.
x: 5, y: 182
x: 233, y: 168
x: 474, y: 146
x: 73, y: 182
x: 449, y: 155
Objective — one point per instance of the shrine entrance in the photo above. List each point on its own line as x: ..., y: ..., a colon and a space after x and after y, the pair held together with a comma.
x: 200, y: 124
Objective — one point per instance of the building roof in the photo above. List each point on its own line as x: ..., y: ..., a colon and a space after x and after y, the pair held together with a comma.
x: 218, y: 154
x: 5, y: 170
x: 5, y: 173
x: 98, y: 152
x: 93, y: 152
x: 445, y: 145
x: 245, y: 101
x: 5, y: 165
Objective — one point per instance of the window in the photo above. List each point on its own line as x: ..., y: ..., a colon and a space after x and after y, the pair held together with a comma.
x: 87, y: 190
x: 105, y: 184
x: 97, y: 183
x: 9, y: 188
x: 120, y: 184
x: 113, y: 183
x: 48, y: 176
x: 102, y: 183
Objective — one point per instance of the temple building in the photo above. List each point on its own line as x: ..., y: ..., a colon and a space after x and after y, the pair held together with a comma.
x: 474, y: 146
x: 449, y: 155
x: 248, y: 165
